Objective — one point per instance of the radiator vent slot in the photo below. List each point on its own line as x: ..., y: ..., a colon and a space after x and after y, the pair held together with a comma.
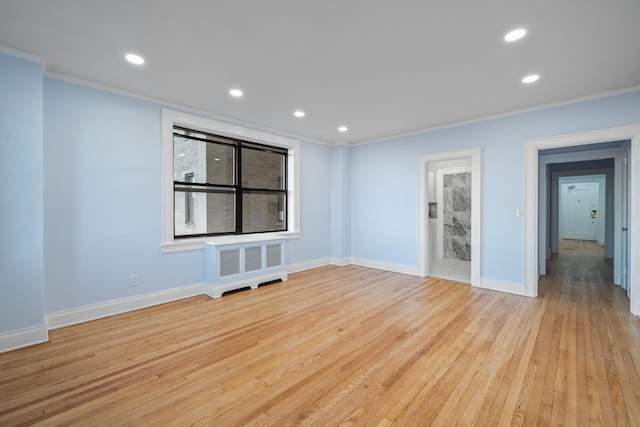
x: 270, y: 282
x: 235, y: 291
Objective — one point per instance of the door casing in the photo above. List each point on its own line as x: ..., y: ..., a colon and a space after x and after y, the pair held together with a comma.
x: 423, y: 202
x: 532, y: 187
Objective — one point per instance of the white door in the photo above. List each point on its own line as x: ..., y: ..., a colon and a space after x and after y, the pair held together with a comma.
x: 580, y: 210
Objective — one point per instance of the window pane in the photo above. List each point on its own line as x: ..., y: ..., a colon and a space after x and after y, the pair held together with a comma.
x: 263, y: 212
x: 211, y: 212
x: 208, y: 162
x: 263, y: 169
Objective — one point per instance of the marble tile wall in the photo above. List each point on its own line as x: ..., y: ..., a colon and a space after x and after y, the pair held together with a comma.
x: 456, y: 205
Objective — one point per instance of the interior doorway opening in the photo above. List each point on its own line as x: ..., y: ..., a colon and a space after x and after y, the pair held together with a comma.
x: 449, y: 237
x: 582, y: 214
x: 582, y: 211
x: 582, y: 146
x: 449, y: 219
x: 562, y: 179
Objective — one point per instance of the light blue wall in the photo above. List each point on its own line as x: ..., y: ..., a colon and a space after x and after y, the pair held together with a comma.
x: 384, y: 177
x: 103, y: 199
x: 21, y: 211
x: 315, y: 221
x: 340, y: 179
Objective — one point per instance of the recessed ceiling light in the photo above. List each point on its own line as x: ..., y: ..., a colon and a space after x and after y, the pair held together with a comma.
x: 530, y: 78
x: 235, y: 92
x: 134, y: 59
x: 514, y: 35
x: 299, y: 113
x: 342, y: 129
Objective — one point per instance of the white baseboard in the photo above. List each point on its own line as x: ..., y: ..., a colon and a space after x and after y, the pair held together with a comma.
x: 24, y: 338
x: 86, y: 313
x: 511, y: 288
x: 90, y: 312
x: 308, y: 265
x: 59, y: 319
x: 379, y: 265
x: 341, y: 262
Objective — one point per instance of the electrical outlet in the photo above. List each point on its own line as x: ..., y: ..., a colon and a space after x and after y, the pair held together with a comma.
x: 133, y: 280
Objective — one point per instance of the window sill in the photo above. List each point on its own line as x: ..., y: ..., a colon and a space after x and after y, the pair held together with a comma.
x: 196, y: 244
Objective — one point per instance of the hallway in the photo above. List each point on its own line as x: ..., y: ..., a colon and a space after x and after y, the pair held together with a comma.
x: 586, y: 360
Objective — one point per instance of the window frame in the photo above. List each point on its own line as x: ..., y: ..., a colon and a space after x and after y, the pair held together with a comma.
x: 189, y: 202
x: 172, y: 118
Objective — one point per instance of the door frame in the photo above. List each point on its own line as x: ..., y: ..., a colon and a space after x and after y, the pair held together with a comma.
x: 598, y: 225
x: 544, y: 221
x: 532, y: 194
x: 605, y: 212
x: 423, y: 203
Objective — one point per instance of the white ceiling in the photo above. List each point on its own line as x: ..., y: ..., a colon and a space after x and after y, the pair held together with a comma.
x: 382, y: 68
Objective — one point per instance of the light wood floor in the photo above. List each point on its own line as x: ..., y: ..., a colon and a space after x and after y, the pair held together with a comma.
x: 340, y: 346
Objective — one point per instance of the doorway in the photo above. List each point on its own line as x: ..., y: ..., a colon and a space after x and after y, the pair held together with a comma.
x: 582, y: 208
x: 450, y: 228
x: 452, y: 231
x: 536, y: 217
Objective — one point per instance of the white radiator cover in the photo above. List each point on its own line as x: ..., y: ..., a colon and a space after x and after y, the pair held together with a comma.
x: 231, y: 265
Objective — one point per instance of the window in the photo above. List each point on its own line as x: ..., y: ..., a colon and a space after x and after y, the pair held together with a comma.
x: 224, y: 183
x: 236, y: 187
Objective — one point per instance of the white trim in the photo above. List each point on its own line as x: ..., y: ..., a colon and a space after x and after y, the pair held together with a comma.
x: 183, y: 245
x: 386, y: 266
x: 543, y: 162
x: 59, y: 319
x: 169, y: 119
x: 599, y: 183
x: 476, y: 208
x: 175, y: 106
x: 500, y: 115
x: 634, y: 224
x: 215, y: 116
x: 307, y: 265
x: 495, y: 285
x: 531, y: 191
x: 340, y: 262
x: 20, y: 54
x: 24, y: 338
x: 90, y: 312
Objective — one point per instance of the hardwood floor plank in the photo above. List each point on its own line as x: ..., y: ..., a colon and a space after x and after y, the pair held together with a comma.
x: 347, y: 346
